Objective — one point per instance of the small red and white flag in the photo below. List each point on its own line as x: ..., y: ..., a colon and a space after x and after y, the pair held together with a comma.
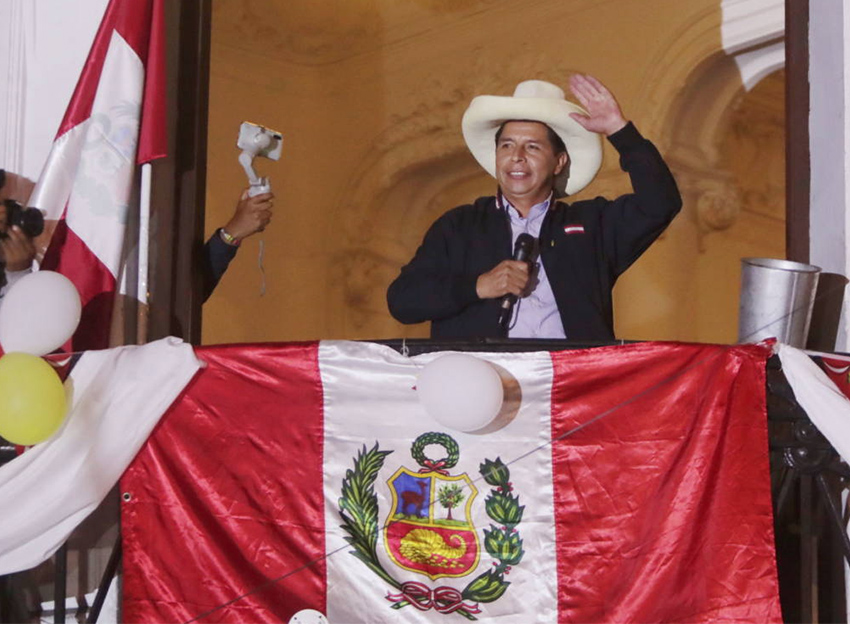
x: 573, y: 229
x: 115, y: 120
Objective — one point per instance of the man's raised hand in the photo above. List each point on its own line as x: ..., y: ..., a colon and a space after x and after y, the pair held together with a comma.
x: 603, y: 112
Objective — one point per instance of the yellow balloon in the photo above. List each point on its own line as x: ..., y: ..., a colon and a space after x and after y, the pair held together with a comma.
x: 32, y: 399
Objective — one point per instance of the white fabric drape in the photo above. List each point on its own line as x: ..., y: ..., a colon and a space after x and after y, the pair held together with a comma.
x: 825, y: 404
x: 116, y: 398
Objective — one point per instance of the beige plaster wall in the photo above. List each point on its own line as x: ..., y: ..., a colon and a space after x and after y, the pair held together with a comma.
x: 753, y: 150
x: 369, y: 97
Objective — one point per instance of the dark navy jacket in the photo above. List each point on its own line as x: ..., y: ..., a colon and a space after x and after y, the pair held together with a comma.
x: 217, y: 256
x: 584, y: 247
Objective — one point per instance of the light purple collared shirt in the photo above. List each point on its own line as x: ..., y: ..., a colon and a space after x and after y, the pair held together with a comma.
x: 536, y: 315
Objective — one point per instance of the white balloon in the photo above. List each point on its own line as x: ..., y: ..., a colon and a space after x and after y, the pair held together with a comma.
x: 308, y: 616
x: 39, y: 313
x: 460, y: 391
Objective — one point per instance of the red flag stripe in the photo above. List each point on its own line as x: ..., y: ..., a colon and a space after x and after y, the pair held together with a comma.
x: 153, y: 139
x: 66, y: 254
x: 230, y: 488
x: 679, y: 448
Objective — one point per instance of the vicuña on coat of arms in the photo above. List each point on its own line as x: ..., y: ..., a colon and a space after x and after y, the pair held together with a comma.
x: 429, y: 529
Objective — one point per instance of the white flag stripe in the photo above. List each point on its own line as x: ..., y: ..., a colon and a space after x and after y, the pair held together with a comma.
x: 381, y: 406
x: 117, y: 396
x: 97, y: 208
x: 54, y: 186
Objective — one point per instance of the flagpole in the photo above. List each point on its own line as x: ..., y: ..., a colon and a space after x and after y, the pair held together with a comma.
x: 144, y: 238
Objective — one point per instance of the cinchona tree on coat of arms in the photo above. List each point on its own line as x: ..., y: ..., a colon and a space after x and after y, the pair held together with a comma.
x: 429, y: 530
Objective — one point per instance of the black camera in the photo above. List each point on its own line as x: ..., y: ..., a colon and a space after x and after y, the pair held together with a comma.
x: 30, y: 220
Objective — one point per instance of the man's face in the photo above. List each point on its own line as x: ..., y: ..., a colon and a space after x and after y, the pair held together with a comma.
x: 526, y: 163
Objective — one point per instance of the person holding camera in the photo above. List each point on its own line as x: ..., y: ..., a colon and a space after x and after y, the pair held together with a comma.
x: 18, y: 228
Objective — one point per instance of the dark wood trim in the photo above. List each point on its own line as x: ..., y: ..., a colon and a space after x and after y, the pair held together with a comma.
x: 797, y: 162
x: 179, y: 184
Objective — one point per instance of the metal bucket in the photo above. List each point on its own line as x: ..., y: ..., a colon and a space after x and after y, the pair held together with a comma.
x: 776, y: 300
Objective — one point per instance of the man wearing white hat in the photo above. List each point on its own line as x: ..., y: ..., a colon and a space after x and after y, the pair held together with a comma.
x: 539, y: 147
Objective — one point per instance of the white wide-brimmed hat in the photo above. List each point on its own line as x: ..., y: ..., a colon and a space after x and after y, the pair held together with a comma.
x: 534, y: 100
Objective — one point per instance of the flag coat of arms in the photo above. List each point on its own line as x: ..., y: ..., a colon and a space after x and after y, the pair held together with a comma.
x: 417, y: 537
x: 626, y: 484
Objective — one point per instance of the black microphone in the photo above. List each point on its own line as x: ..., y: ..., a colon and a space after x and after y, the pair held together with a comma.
x: 523, y: 252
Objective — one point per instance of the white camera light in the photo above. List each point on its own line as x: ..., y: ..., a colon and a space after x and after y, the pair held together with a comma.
x: 259, y: 140
x: 256, y: 140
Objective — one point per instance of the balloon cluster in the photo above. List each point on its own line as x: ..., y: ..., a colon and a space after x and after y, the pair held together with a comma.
x: 38, y: 315
x: 461, y: 392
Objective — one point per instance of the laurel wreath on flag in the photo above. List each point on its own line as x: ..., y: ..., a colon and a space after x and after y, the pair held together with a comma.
x: 417, y: 451
x: 358, y: 508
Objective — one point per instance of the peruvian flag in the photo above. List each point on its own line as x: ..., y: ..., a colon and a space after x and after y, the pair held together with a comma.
x: 618, y: 484
x: 115, y: 120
